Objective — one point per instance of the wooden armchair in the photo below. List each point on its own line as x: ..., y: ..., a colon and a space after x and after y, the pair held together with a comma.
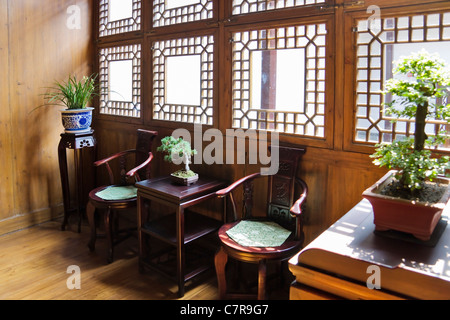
x: 108, y: 204
x: 281, y: 209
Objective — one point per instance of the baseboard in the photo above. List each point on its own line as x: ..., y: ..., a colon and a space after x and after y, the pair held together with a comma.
x: 27, y: 220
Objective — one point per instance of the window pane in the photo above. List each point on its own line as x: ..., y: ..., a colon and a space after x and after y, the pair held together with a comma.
x: 376, y: 54
x: 249, y: 6
x: 120, y: 9
x: 170, y: 4
x: 119, y: 16
x: 121, y: 80
x: 399, y: 50
x: 279, y: 79
x: 171, y: 12
x: 183, y: 80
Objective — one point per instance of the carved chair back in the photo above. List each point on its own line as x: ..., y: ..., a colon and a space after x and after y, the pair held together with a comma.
x: 141, y: 152
x: 281, y: 190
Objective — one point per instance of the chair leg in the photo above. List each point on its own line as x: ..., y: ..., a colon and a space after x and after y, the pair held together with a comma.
x: 262, y: 273
x: 90, y: 212
x: 220, y: 261
x: 109, y: 235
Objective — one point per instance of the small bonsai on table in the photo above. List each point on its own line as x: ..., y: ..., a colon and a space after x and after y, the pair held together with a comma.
x: 179, y: 151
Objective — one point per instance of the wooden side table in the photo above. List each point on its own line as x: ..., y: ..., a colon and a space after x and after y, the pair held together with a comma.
x: 77, y: 142
x: 342, y: 260
x: 180, y: 228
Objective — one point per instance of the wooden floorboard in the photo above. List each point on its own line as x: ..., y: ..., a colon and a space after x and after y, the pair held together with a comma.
x: 34, y: 262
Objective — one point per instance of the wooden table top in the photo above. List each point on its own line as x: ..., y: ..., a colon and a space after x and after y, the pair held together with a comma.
x: 166, y: 189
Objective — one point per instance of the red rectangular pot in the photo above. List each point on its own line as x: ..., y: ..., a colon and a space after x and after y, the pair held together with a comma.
x: 417, y: 218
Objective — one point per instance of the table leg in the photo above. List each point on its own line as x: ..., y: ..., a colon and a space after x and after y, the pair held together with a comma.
x: 90, y: 212
x: 62, y: 158
x: 140, y: 222
x: 180, y: 251
x: 79, y: 183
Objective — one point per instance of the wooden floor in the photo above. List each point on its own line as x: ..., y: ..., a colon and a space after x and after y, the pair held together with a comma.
x: 34, y: 263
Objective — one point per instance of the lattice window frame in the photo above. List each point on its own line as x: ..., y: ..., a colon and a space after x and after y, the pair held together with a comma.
x: 240, y: 7
x: 371, y: 126
x: 202, y: 45
x: 300, y: 123
x: 203, y: 10
x: 109, y: 28
x: 123, y: 52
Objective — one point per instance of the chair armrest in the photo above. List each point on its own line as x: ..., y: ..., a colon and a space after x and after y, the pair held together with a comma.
x: 223, y: 192
x: 296, y: 209
x: 114, y: 156
x: 133, y: 171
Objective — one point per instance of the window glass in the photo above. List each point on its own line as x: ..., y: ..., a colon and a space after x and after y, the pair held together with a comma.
x: 171, y: 12
x: 120, y: 9
x: 183, y: 80
x: 170, y: 4
x: 120, y: 80
x: 377, y: 50
x: 279, y: 79
x: 249, y: 6
x: 119, y: 16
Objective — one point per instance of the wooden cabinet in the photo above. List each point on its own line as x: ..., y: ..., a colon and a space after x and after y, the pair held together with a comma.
x: 341, y: 262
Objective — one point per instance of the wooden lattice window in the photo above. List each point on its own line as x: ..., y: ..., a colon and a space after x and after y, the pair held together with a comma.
x: 171, y: 12
x: 183, y: 80
x: 250, y: 6
x: 379, y: 45
x: 120, y: 80
x: 119, y: 16
x: 279, y: 79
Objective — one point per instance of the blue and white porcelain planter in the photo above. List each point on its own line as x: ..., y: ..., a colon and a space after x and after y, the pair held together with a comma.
x: 77, y: 120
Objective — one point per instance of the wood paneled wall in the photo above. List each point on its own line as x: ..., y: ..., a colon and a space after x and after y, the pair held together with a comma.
x: 40, y: 42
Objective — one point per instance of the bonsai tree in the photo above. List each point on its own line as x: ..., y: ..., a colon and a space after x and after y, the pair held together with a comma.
x: 418, y: 96
x: 177, y: 151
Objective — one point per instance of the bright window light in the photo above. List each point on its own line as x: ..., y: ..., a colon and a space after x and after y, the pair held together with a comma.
x: 183, y: 80
x: 120, y: 9
x: 170, y: 4
x: 121, y: 80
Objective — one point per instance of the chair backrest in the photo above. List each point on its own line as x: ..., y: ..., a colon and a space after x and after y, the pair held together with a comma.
x: 281, y: 188
x: 144, y: 145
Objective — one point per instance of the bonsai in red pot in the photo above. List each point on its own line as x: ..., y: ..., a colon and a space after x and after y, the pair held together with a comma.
x: 414, y: 167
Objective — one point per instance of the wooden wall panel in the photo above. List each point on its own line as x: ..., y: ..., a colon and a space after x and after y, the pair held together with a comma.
x: 6, y: 165
x: 42, y: 47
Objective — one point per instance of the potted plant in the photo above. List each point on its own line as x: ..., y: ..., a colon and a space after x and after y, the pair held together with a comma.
x: 75, y: 95
x: 179, y: 151
x: 399, y: 199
